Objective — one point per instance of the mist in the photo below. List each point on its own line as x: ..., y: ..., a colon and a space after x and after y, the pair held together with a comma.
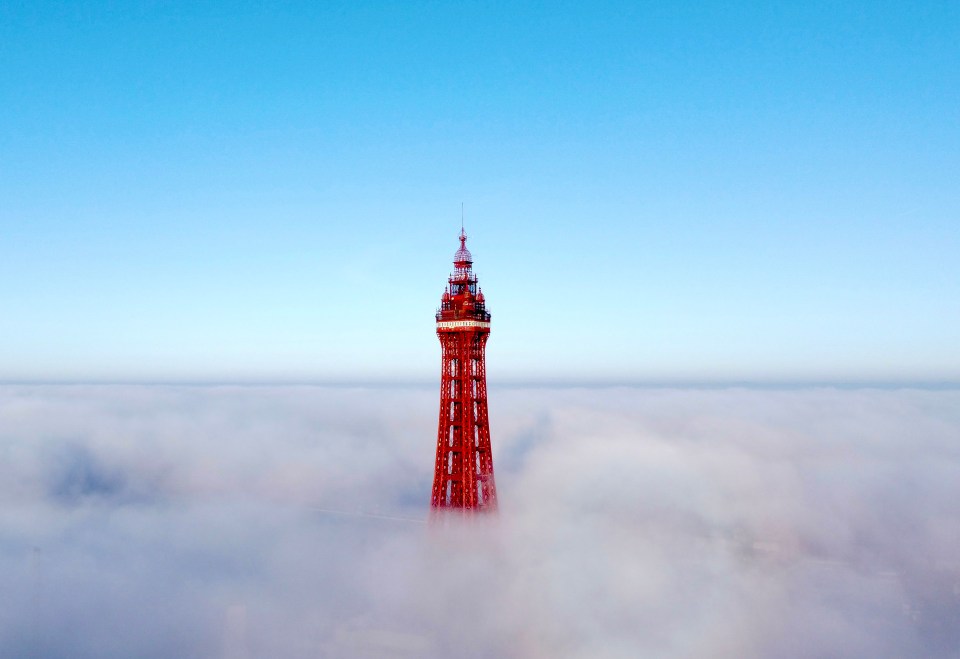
x: 244, y: 522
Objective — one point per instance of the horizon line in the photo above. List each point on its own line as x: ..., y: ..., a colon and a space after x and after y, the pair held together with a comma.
x: 508, y: 383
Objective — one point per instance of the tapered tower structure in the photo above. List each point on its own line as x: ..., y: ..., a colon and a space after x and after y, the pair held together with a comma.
x: 463, y: 473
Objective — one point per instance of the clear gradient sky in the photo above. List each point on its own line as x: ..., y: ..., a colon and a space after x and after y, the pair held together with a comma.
x: 654, y: 190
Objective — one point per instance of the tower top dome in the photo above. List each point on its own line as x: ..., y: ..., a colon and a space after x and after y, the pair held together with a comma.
x: 463, y: 254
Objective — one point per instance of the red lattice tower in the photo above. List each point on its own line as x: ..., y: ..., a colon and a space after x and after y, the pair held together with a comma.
x: 463, y: 473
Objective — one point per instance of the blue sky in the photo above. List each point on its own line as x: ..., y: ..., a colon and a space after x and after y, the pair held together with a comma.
x: 654, y: 191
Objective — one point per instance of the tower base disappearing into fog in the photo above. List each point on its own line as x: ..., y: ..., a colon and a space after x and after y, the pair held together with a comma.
x: 463, y: 473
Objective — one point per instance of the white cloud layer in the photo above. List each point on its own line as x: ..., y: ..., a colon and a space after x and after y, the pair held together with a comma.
x: 247, y: 522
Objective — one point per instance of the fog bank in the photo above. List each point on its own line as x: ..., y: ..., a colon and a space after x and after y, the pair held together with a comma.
x: 242, y: 522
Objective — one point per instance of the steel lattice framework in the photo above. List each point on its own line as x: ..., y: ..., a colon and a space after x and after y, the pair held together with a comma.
x: 463, y: 473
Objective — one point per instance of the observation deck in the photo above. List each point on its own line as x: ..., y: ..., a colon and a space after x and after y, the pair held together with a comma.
x: 462, y: 307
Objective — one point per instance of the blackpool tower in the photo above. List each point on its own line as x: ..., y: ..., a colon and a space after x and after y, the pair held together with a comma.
x: 463, y: 472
